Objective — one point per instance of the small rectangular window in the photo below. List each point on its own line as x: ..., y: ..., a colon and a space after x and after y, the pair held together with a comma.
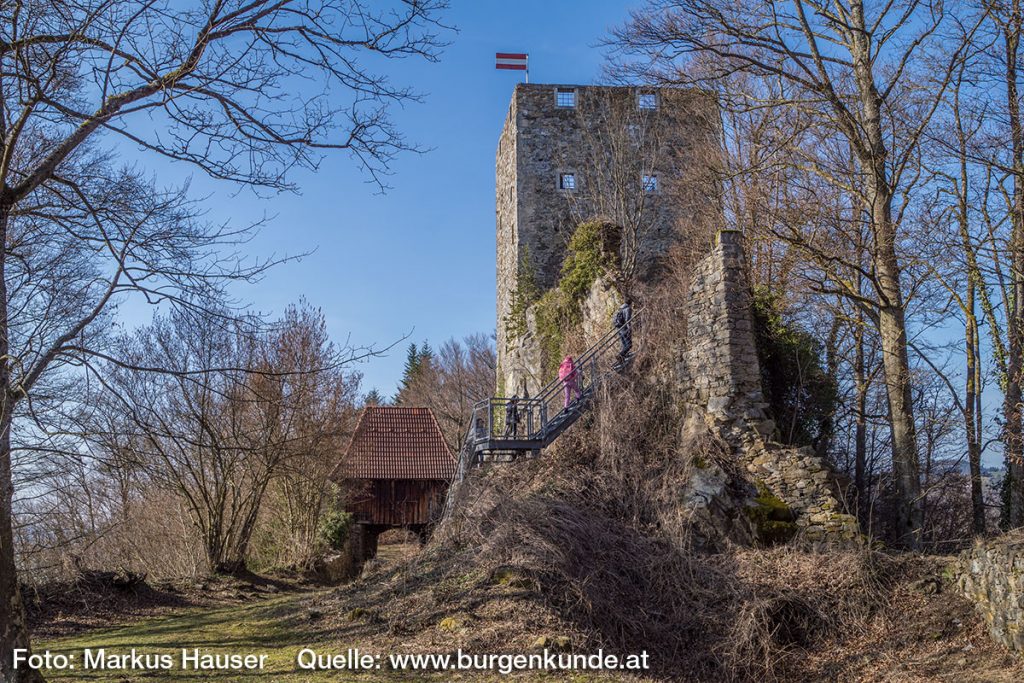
x: 650, y: 183
x: 565, y: 97
x: 567, y: 181
x: 647, y: 100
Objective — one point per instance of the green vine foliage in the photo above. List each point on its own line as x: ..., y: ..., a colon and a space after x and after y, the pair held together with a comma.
x: 593, y: 251
x: 801, y: 393
x: 555, y: 314
x: 525, y: 295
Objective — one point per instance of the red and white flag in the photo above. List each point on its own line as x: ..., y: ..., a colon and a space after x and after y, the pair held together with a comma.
x: 516, y: 61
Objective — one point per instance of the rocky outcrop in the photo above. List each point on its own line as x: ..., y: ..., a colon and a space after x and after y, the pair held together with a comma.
x: 991, y: 575
x: 598, y: 308
x: 717, y: 503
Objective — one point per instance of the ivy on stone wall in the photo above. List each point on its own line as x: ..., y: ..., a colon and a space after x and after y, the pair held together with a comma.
x: 525, y: 295
x: 593, y: 251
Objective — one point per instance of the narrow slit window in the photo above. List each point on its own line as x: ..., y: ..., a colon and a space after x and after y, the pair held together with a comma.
x: 647, y: 100
x: 650, y: 183
x: 567, y: 181
x: 565, y: 98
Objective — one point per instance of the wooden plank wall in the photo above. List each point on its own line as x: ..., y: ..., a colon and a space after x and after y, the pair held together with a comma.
x: 397, y: 502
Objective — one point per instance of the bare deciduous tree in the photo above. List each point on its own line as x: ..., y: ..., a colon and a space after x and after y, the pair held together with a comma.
x: 243, y: 91
x: 230, y: 407
x: 450, y: 381
x: 850, y: 71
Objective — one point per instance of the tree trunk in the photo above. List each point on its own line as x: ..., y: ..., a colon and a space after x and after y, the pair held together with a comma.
x: 13, y: 623
x: 1012, y: 444
x: 860, y: 462
x: 971, y: 417
x: 909, y: 515
x: 892, y: 326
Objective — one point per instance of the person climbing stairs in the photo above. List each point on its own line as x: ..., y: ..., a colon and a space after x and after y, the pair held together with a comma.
x: 540, y: 420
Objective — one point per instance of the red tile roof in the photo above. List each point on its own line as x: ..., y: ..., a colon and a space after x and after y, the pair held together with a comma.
x: 396, y: 443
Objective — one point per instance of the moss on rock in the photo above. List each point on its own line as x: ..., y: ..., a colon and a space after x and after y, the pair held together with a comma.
x: 774, y: 520
x: 593, y: 252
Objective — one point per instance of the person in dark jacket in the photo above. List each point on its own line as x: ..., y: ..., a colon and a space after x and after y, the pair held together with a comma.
x: 512, y: 417
x: 624, y: 324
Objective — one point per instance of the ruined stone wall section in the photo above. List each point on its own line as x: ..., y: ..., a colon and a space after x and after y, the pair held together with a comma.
x: 721, y: 374
x: 991, y: 575
x: 720, y: 378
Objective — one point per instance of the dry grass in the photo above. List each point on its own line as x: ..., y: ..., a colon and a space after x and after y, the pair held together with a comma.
x: 589, y: 542
x: 744, y: 615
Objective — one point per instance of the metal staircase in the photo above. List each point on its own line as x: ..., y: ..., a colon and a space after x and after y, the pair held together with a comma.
x: 543, y: 418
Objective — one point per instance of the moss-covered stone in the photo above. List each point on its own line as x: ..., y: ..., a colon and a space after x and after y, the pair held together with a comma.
x: 361, y: 614
x: 512, y: 577
x: 774, y: 521
x: 453, y: 623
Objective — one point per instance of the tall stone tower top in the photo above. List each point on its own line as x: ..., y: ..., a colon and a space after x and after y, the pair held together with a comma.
x: 639, y: 157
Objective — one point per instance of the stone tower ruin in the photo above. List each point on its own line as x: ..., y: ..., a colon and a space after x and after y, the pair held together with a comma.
x: 568, y: 153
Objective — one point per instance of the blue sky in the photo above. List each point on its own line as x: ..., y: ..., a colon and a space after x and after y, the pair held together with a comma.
x: 419, y: 259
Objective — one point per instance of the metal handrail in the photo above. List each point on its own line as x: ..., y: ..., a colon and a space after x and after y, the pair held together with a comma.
x: 536, y: 407
x: 535, y: 411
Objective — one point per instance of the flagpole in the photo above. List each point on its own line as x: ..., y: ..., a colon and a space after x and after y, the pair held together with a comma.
x: 527, y: 67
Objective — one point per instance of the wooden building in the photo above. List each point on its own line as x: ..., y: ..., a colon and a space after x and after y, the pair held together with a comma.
x: 397, y: 467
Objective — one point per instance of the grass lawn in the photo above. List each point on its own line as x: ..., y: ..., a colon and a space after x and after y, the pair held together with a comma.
x: 277, y: 627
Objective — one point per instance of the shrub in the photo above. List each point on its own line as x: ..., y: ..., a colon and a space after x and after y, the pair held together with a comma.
x: 801, y: 393
x: 593, y: 250
x: 334, y: 528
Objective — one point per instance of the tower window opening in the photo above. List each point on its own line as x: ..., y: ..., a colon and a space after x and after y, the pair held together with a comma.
x: 565, y: 97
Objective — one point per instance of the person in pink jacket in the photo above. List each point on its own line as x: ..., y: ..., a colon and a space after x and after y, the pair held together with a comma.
x: 570, y: 379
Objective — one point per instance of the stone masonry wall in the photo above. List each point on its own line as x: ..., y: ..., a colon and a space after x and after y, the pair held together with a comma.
x: 506, y: 191
x: 991, y: 574
x: 720, y: 378
x: 540, y: 141
x: 720, y: 369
